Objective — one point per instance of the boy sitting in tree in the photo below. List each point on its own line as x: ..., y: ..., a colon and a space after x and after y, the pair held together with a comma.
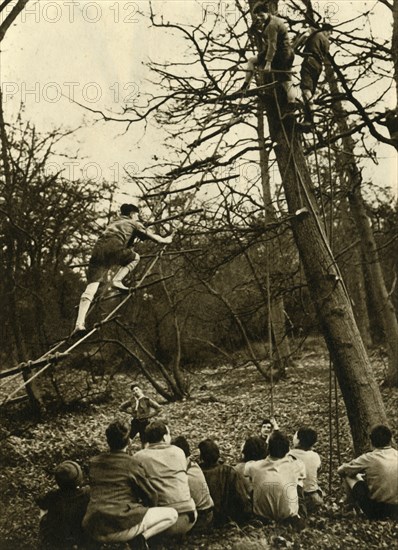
x: 114, y: 248
x: 276, y: 52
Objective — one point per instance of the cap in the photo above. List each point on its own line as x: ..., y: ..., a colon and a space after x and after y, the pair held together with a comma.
x: 68, y: 474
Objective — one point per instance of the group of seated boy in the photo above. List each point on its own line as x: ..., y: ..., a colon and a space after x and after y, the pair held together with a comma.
x: 161, y: 489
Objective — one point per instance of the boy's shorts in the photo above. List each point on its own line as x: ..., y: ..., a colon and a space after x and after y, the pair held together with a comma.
x: 311, y: 70
x: 371, y: 508
x: 107, y: 253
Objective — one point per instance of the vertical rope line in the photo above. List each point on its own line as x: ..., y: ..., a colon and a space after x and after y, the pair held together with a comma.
x: 331, y: 237
x: 270, y: 347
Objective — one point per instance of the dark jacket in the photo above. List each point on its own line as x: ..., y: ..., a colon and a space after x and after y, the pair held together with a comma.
x: 120, y: 494
x: 61, y: 527
x: 228, y: 492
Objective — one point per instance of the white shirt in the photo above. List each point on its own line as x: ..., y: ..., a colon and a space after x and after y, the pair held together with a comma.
x: 275, y: 484
x: 312, y: 463
x: 381, y: 469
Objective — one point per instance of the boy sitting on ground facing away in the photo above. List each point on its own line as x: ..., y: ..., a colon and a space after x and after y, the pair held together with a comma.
x: 197, y: 487
x: 123, y: 505
x: 303, y: 440
x: 227, y: 489
x: 377, y: 494
x: 63, y: 509
x: 254, y: 448
x: 165, y: 467
x: 277, y: 481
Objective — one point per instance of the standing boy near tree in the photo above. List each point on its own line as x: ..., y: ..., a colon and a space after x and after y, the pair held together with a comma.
x: 113, y: 247
x: 142, y: 408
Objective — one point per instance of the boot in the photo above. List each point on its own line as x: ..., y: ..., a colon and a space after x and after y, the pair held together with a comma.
x: 138, y: 543
x: 118, y: 279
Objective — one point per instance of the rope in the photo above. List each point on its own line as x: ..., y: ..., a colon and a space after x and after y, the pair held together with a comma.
x: 331, y: 236
x: 271, y: 391
x: 330, y: 426
x: 319, y: 181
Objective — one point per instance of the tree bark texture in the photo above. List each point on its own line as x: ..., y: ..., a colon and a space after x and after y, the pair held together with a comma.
x: 380, y: 299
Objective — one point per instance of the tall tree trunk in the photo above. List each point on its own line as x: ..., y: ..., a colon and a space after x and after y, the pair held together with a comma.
x: 179, y: 377
x: 380, y: 298
x: 380, y: 295
x: 277, y: 310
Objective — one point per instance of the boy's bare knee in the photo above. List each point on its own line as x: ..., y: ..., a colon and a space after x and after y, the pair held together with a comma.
x: 252, y: 62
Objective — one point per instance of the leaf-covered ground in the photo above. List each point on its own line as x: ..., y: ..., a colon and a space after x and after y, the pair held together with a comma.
x: 227, y: 403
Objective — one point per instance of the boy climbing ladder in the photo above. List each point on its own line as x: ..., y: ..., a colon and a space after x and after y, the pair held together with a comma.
x: 113, y: 247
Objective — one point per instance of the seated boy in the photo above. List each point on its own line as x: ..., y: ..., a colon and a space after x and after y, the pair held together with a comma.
x: 198, y: 487
x: 63, y: 509
x: 277, y: 481
x: 227, y: 489
x: 303, y: 440
x: 268, y: 427
x: 377, y: 494
x: 123, y: 504
x: 165, y: 467
x: 254, y: 448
